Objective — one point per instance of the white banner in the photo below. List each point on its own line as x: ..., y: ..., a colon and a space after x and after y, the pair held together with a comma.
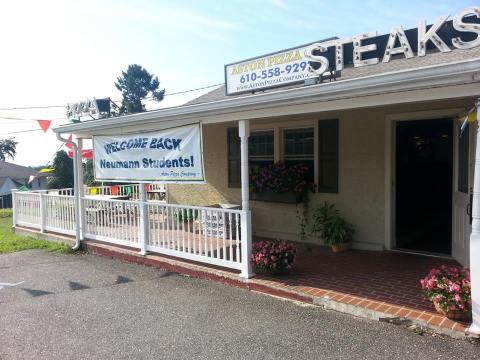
x: 171, y: 155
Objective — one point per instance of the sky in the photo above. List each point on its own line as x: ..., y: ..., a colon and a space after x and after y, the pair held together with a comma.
x: 57, y: 52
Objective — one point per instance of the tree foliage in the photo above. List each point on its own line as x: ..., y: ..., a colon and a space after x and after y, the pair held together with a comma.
x: 63, y: 175
x: 88, y: 174
x: 8, y: 148
x: 135, y: 84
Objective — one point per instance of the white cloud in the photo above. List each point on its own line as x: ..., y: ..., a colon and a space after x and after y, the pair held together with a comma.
x: 279, y: 3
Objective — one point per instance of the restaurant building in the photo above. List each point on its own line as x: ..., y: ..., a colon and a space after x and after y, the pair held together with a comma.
x: 382, y: 122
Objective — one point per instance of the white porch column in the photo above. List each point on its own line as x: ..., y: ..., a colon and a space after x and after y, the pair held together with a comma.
x: 81, y: 188
x: 475, y: 237
x: 246, y: 220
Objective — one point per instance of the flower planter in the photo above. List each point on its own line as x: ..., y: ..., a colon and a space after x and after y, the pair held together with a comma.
x: 451, y: 314
x: 342, y: 247
x: 286, y: 198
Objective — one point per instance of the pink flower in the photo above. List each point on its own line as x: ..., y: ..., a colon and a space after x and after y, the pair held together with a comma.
x: 454, y: 287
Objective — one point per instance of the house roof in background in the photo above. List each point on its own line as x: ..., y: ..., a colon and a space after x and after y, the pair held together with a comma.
x: 18, y: 182
x: 400, y: 63
x: 15, y: 172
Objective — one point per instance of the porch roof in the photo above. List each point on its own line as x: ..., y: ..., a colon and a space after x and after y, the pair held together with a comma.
x: 433, y: 77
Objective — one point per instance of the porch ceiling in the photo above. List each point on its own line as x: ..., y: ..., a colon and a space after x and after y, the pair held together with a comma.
x: 442, y: 81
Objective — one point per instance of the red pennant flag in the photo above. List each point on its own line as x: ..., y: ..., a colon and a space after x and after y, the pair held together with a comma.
x: 86, y: 154
x: 44, y: 124
x: 69, y: 142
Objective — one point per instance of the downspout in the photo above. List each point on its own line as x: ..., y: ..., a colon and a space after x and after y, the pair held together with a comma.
x: 76, y: 191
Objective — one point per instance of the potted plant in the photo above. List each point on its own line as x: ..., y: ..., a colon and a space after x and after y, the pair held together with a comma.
x: 332, y: 228
x: 450, y: 291
x: 273, y: 256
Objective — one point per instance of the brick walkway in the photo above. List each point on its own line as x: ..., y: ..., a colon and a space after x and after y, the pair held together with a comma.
x: 381, y: 276
x: 385, y: 282
x: 375, y: 285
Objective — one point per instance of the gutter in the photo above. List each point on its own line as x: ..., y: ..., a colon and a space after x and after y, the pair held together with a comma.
x: 76, y: 191
x: 409, y: 79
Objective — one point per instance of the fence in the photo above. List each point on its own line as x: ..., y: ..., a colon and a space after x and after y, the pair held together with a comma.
x: 215, y: 236
x: 130, y: 190
x: 6, y: 201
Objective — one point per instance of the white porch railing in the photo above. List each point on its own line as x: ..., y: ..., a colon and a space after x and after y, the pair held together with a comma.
x: 45, y: 212
x: 210, y: 235
x: 113, y: 221
x: 131, y: 190
x: 204, y: 234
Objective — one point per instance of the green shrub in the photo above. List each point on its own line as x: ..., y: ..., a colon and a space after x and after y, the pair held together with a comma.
x: 5, y: 213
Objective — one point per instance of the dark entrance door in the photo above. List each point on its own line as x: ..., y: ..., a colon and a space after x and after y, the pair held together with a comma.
x: 423, y: 199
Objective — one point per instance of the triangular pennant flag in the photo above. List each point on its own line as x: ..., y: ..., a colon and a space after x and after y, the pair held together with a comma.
x: 46, y: 170
x: 69, y: 142
x: 472, y: 117
x: 44, y: 124
x: 87, y: 154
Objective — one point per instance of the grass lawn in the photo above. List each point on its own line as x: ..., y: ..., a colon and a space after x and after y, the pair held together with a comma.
x: 10, y: 242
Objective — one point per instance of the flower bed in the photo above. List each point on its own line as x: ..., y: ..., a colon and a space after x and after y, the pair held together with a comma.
x: 449, y: 290
x: 273, y: 256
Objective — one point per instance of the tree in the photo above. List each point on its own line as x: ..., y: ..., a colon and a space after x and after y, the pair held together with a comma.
x: 88, y: 173
x: 135, y: 84
x: 8, y: 148
x: 63, y: 175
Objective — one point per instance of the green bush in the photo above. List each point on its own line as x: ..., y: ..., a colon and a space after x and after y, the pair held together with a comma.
x: 5, y: 213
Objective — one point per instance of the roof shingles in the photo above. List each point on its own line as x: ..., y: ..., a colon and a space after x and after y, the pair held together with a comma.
x: 396, y: 64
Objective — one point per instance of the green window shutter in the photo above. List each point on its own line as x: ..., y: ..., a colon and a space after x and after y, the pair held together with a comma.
x: 328, y: 156
x: 233, y: 153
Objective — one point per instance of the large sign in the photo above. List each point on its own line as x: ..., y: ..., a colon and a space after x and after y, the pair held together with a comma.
x: 277, y: 69
x: 332, y: 55
x: 90, y: 107
x: 172, y: 155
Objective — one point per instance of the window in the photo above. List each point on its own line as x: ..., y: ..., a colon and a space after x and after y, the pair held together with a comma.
x: 463, y: 149
x: 260, y: 149
x: 328, y: 156
x: 233, y: 151
x: 298, y: 148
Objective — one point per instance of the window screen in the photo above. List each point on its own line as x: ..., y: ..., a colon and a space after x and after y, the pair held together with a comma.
x: 298, y: 149
x: 260, y: 149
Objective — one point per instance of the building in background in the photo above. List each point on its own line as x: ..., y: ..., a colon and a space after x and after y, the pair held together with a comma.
x: 15, y: 176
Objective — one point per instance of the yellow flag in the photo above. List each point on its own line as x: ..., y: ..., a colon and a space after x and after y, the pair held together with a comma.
x: 472, y: 117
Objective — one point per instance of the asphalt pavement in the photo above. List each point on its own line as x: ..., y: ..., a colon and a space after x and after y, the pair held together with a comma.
x: 90, y: 307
